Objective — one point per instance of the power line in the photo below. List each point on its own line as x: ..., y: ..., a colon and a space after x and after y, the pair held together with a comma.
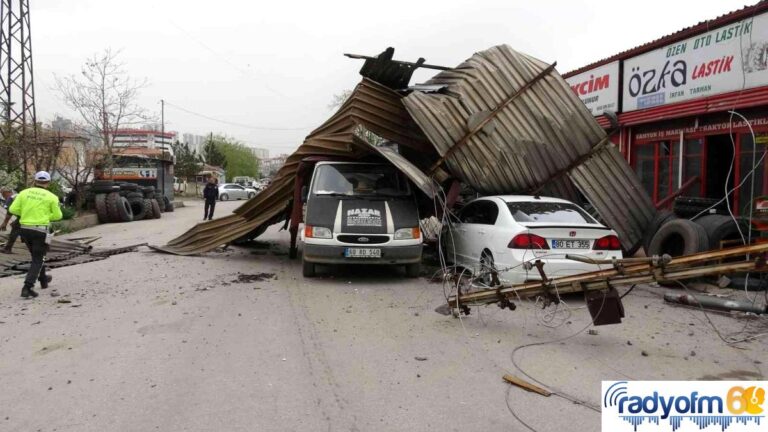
x: 244, y: 126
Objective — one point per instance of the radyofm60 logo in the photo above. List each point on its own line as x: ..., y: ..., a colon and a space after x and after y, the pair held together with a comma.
x: 733, y: 406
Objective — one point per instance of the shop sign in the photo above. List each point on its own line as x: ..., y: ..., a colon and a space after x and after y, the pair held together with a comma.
x: 134, y: 173
x: 721, y: 127
x: 598, y: 88
x: 730, y: 58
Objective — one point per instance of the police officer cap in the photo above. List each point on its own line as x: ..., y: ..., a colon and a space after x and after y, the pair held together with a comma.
x: 42, y: 176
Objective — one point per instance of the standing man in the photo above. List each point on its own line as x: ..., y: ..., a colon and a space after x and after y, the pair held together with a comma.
x: 211, y: 194
x: 8, y: 197
x: 36, y: 208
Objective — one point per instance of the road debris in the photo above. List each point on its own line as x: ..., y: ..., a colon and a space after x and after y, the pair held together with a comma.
x: 249, y: 278
x: 704, y: 301
x: 419, y: 358
x: 525, y: 385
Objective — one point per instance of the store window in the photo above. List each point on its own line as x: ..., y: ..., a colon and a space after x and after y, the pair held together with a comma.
x: 645, y: 165
x: 693, y: 165
x: 657, y: 165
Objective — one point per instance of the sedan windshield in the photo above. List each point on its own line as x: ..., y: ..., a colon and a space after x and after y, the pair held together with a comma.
x: 549, y: 212
x: 359, y: 179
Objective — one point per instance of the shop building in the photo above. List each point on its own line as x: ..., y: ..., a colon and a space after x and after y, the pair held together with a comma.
x: 688, y: 105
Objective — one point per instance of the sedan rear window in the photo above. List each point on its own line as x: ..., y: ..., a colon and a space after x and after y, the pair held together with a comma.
x: 548, y: 212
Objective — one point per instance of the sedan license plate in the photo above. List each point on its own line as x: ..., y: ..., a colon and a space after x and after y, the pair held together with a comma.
x: 570, y: 244
x: 362, y: 253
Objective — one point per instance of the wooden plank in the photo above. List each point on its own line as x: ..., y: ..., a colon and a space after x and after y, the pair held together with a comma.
x: 526, y: 385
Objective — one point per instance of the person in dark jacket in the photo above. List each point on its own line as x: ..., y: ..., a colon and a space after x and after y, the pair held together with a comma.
x: 210, y: 194
x: 8, y: 197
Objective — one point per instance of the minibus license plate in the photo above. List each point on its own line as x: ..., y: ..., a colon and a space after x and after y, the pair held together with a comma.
x: 362, y: 253
x: 570, y: 244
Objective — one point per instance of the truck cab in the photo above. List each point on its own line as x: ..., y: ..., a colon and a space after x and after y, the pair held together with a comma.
x: 362, y: 214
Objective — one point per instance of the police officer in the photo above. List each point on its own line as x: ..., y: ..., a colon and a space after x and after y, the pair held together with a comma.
x: 8, y: 197
x: 210, y: 194
x: 36, y: 208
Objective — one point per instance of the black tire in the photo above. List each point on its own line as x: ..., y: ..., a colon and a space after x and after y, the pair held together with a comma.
x: 125, y: 210
x: 113, y: 201
x: 413, y: 270
x: 104, y: 183
x: 101, y: 208
x: 138, y: 208
x: 167, y: 205
x: 755, y: 283
x: 105, y: 189
x: 662, y: 217
x: 156, y: 213
x: 487, y: 265
x: 720, y: 228
x: 159, y: 202
x: 134, y: 195
x: 129, y: 187
x: 224, y: 197
x: 308, y: 269
x: 679, y: 237
x: 251, y: 195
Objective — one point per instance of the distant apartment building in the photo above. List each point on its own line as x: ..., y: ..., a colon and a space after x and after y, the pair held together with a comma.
x: 260, y: 153
x: 195, y: 142
x: 144, y: 138
x: 269, y: 166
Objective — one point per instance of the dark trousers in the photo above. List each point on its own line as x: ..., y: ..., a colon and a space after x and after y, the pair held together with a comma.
x: 210, y: 205
x: 35, y: 241
x: 15, y: 232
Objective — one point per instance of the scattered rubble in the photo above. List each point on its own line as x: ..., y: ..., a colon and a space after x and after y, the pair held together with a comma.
x: 256, y: 277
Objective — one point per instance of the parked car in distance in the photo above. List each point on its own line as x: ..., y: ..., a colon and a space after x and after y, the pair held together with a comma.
x: 503, y: 232
x: 232, y: 191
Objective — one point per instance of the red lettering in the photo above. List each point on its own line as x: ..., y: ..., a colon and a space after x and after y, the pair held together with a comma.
x: 602, y: 82
x: 582, y: 90
x: 726, y: 65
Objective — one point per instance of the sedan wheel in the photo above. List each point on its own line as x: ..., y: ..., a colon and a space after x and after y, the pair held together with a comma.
x: 224, y: 197
x: 488, y: 275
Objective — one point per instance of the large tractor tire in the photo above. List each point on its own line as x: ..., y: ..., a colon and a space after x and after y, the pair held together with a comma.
x: 138, y: 208
x: 662, y: 217
x: 113, y: 201
x: 124, y: 210
x: 679, y: 237
x: 720, y: 228
x: 101, y: 208
x: 159, y: 201
x: 167, y: 205
x: 154, y: 206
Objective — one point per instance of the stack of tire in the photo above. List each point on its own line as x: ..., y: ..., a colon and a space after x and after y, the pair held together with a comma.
x: 669, y: 234
x: 126, y: 202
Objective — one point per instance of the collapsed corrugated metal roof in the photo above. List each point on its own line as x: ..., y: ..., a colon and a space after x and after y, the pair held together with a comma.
x: 502, y: 122
x: 507, y: 122
x: 371, y: 106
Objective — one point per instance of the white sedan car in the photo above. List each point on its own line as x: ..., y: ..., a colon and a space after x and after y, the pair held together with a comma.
x: 233, y: 191
x: 503, y: 232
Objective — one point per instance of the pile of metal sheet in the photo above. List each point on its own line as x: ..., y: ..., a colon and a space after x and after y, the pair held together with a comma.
x: 501, y: 122
x: 60, y: 254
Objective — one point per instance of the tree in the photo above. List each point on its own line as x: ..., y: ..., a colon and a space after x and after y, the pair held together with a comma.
x: 212, y: 151
x: 104, y: 96
x: 76, y: 164
x: 232, y: 155
x: 188, y: 162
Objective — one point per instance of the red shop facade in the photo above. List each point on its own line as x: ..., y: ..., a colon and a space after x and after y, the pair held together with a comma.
x: 692, y: 108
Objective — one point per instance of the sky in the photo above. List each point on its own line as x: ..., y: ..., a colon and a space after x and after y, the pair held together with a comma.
x: 265, y: 72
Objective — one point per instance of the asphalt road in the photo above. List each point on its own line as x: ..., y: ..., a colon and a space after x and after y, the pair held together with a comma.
x: 159, y: 342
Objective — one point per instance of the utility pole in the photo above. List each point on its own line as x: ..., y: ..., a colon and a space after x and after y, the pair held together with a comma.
x: 162, y: 152
x: 17, y: 91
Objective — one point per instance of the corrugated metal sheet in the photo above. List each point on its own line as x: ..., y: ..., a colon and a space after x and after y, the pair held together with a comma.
x: 543, y: 132
x: 519, y: 129
x: 371, y: 105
